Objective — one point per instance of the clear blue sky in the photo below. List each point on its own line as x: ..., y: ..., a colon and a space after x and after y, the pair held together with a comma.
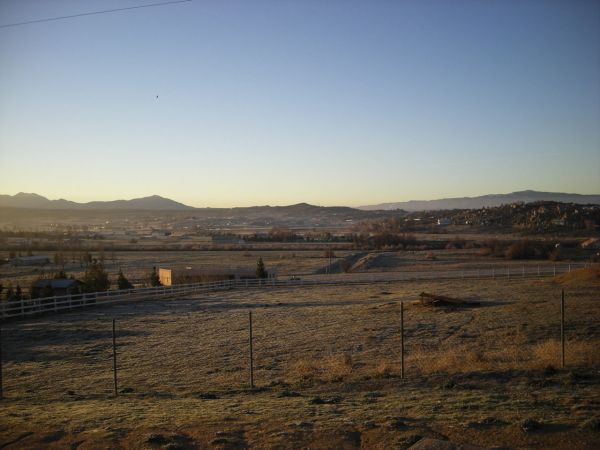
x: 279, y: 102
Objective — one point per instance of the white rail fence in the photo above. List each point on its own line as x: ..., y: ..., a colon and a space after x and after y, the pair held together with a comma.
x: 30, y: 307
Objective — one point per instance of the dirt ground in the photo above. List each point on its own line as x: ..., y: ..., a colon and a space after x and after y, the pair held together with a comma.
x: 326, y: 370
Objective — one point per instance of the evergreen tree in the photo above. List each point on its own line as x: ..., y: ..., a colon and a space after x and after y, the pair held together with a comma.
x: 18, y: 293
x: 10, y: 293
x: 154, y: 278
x: 122, y: 282
x: 260, y: 269
x: 95, y: 278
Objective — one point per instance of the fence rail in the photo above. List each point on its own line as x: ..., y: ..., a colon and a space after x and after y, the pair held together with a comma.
x: 31, y: 307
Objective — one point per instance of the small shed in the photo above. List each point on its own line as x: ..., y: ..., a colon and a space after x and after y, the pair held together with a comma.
x: 55, y: 288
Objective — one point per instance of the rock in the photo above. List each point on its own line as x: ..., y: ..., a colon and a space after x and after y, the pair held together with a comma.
x: 397, y: 423
x: 437, y: 444
x: 325, y: 401
x: 207, y: 396
x: 369, y: 424
x: 529, y: 425
x: 591, y: 424
x: 288, y: 393
x: 157, y: 439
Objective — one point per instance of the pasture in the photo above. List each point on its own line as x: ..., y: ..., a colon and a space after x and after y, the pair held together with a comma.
x: 326, y: 370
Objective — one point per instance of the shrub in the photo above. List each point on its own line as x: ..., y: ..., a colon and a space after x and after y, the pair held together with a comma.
x: 527, y: 249
x: 260, y: 269
x: 122, y: 282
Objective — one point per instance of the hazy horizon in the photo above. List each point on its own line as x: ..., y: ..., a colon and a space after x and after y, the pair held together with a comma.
x: 288, y: 204
x: 220, y: 104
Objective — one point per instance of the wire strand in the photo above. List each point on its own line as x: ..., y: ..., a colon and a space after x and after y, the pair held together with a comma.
x: 49, y: 19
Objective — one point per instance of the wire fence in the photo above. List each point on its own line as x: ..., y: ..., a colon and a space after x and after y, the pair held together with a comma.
x: 182, y: 347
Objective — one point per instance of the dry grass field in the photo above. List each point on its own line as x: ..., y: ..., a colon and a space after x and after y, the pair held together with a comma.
x: 137, y: 266
x: 327, y: 370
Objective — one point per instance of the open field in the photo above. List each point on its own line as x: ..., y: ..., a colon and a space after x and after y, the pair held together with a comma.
x: 327, y: 370
x: 137, y: 265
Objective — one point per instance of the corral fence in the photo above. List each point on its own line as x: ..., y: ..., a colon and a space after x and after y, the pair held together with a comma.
x: 32, y: 307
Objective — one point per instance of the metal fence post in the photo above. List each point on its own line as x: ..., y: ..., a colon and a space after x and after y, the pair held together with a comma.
x: 402, y: 340
x: 114, y: 344
x: 562, y: 329
x: 251, y: 353
x: 1, y: 381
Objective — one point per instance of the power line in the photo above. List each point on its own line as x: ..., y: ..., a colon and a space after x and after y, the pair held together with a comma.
x: 49, y: 19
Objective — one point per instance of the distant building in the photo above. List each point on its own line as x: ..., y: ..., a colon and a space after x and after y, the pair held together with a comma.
x: 53, y: 288
x: 444, y: 221
x: 183, y: 275
x: 30, y: 261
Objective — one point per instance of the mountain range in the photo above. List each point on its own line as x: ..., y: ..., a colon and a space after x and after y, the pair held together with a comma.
x: 485, y: 201
x: 156, y: 202
x: 35, y: 201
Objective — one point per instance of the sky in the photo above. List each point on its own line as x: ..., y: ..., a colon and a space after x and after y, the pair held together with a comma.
x: 235, y: 103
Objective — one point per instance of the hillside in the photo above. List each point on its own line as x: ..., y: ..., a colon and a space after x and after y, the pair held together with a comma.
x: 484, y: 201
x: 537, y: 217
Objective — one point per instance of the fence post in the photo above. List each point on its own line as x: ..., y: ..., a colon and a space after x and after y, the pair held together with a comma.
x: 508, y: 272
x: 562, y: 329
x: 251, y: 353
x: 523, y: 270
x: 402, y: 340
x: 538, y: 270
x: 1, y: 385
x: 554, y: 269
x: 114, y: 344
x: 569, y: 267
x: 493, y: 273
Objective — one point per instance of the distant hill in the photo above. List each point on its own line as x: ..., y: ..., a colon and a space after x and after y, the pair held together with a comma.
x: 485, y: 201
x: 35, y: 201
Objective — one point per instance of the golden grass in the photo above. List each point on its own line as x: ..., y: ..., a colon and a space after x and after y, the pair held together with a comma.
x: 331, y: 368
x: 518, y: 355
x: 586, y: 275
x: 577, y: 353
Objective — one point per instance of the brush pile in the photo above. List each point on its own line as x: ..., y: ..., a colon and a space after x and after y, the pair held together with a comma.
x: 441, y: 300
